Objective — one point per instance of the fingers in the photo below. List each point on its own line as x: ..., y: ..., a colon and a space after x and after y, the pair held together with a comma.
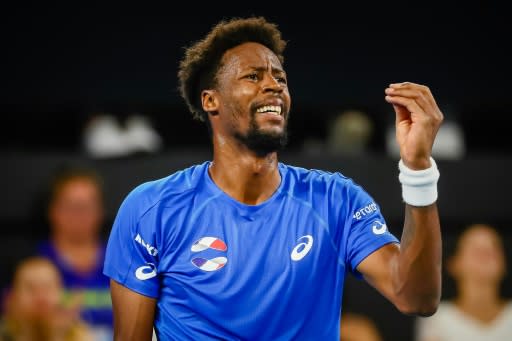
x: 419, y: 93
x: 409, y: 103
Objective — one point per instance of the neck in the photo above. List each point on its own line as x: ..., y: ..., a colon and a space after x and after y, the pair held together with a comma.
x: 478, y: 294
x: 245, y: 176
x: 82, y: 255
x: 74, y: 243
x: 479, y: 299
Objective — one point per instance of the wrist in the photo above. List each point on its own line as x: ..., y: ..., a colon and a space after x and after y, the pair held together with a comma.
x: 417, y: 164
x: 419, y: 187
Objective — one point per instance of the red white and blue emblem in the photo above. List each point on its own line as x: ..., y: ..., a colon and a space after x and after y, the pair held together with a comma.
x: 206, y: 243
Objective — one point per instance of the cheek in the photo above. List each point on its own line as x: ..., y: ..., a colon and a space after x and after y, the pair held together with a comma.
x: 288, y: 98
x: 26, y: 301
x: 241, y: 96
x: 53, y: 296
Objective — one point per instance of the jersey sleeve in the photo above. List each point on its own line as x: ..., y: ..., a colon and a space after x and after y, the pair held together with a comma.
x: 131, y: 257
x: 366, y: 228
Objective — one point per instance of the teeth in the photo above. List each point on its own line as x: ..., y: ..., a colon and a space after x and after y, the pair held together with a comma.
x: 272, y: 109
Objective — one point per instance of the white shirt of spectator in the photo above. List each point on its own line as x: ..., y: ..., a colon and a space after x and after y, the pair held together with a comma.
x: 451, y: 324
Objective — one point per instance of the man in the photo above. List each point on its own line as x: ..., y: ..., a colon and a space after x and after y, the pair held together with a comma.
x: 247, y: 248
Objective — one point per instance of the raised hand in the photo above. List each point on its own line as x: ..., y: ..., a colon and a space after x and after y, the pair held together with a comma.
x: 418, y: 119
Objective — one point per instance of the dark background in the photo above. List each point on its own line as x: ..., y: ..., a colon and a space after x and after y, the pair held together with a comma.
x: 64, y: 61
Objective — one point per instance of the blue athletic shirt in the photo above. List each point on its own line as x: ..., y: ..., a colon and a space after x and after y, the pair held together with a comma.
x: 223, y: 270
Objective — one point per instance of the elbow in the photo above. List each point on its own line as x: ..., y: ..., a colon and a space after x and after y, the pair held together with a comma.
x: 419, y: 300
x: 422, y: 308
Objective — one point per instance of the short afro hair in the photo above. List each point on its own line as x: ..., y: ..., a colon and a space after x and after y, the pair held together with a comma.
x: 202, y: 60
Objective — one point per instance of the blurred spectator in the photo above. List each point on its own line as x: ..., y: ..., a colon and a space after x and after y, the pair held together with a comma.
x: 34, y: 309
x: 350, y: 133
x: 105, y: 137
x: 478, y: 312
x: 357, y: 327
x: 75, y: 214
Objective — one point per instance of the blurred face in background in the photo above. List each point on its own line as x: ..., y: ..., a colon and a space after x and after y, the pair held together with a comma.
x: 479, y: 256
x: 76, y: 211
x: 36, y: 291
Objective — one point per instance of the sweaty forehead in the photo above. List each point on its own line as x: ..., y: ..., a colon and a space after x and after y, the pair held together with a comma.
x: 248, y: 55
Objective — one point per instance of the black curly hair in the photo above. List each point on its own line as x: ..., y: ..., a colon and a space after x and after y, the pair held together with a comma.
x: 202, y: 60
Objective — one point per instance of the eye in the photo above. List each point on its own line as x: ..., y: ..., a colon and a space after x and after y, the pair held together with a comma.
x: 252, y: 76
x: 281, y: 79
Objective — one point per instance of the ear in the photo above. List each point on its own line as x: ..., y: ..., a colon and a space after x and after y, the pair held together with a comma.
x: 209, y: 101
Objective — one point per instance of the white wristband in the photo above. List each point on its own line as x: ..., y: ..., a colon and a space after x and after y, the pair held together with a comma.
x: 419, y: 187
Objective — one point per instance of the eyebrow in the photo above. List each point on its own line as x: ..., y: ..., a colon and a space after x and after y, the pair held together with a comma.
x: 264, y: 68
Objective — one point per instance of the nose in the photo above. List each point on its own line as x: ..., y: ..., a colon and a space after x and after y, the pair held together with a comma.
x: 271, y: 84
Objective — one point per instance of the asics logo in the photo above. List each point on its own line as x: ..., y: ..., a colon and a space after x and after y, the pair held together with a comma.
x: 379, y: 228
x: 146, y: 272
x: 206, y: 243
x: 302, y: 249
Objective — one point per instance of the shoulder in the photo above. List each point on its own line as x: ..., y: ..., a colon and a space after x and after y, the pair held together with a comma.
x: 436, y: 326
x: 314, y: 176
x: 445, y: 312
x: 320, y: 180
x: 165, y: 191
x: 445, y: 307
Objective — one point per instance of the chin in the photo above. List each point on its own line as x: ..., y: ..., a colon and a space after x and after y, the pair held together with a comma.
x: 264, y: 144
x: 264, y: 138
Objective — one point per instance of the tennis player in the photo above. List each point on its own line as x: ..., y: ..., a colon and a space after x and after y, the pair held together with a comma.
x: 244, y: 247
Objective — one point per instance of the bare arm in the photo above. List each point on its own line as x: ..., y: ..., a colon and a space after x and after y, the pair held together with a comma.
x: 133, y: 314
x: 409, y: 275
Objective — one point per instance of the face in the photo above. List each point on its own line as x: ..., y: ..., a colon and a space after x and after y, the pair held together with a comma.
x: 76, y: 212
x: 479, y: 256
x: 36, y: 290
x: 252, y: 98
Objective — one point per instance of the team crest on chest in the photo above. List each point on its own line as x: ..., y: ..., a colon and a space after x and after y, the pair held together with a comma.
x: 206, y: 243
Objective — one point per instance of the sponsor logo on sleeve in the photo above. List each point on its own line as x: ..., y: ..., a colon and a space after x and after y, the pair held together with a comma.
x: 146, y: 271
x: 379, y: 227
x: 366, y: 210
x: 149, y: 248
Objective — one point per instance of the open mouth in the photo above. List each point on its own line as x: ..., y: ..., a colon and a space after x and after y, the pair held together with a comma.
x: 270, y: 109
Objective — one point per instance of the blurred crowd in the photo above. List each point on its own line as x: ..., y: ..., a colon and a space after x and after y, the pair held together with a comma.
x: 350, y: 132
x: 478, y: 311
x: 59, y: 292
x: 116, y: 134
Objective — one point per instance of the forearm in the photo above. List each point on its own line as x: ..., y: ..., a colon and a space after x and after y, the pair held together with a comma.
x: 417, y: 271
